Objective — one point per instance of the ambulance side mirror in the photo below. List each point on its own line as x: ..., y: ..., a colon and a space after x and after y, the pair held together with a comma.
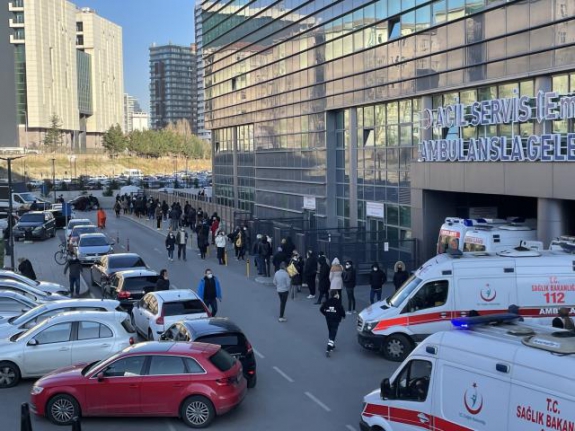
x: 385, y: 389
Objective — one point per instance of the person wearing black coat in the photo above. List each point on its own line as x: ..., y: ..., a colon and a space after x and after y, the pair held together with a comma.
x: 288, y: 247
x: 163, y: 283
x: 323, y: 277
x: 400, y: 275
x: 203, y: 240
x: 170, y: 245
x: 25, y: 268
x: 296, y: 279
x: 310, y: 272
x: 334, y: 313
x: 349, y: 281
x: 377, y: 278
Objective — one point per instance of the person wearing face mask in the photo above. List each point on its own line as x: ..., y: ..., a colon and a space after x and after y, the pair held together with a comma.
x: 335, y: 277
x: 170, y: 245
x: 310, y: 272
x: 221, y: 247
x: 349, y: 281
x: 400, y: 275
x: 209, y: 291
x: 377, y: 279
x: 296, y: 278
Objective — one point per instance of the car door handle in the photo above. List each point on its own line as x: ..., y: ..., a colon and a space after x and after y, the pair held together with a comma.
x: 105, y: 345
x: 64, y: 349
x: 443, y: 315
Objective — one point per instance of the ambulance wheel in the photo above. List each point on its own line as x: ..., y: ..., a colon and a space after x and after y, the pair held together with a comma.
x: 396, y: 347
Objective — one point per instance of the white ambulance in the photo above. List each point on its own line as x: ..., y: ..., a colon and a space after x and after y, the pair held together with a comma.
x: 509, y: 377
x: 453, y: 231
x: 449, y: 286
x: 497, y: 238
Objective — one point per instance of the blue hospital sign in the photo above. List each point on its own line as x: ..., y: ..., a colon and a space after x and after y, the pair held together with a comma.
x: 548, y: 147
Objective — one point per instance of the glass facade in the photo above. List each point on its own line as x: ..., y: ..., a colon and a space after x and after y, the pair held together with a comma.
x: 172, y: 89
x: 21, y: 94
x: 84, y: 62
x: 333, y: 91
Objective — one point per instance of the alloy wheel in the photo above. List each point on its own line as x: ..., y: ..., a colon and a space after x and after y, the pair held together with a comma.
x: 63, y: 410
x: 197, y: 413
x: 7, y: 376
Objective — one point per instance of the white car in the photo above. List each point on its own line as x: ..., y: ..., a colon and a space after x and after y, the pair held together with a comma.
x: 76, y: 222
x: 22, y: 322
x: 30, y: 292
x: 156, y: 311
x: 65, y: 339
x: 14, y: 304
x: 44, y: 286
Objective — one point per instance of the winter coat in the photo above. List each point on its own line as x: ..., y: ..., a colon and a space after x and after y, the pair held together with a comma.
x: 170, y: 242
x: 288, y: 247
x: 162, y: 284
x: 349, y: 278
x: 399, y: 278
x: 310, y: 267
x: 158, y: 211
x: 202, y: 287
x: 282, y: 281
x: 25, y: 268
x: 278, y: 258
x: 332, y: 310
x: 377, y: 278
x: 221, y: 241
x: 182, y: 237
x: 297, y: 279
x: 335, y: 275
x: 323, y: 277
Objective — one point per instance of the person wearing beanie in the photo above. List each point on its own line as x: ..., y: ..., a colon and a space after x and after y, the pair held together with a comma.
x: 349, y: 282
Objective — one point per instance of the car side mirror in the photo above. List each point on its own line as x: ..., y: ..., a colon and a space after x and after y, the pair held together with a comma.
x: 100, y: 376
x: 385, y: 390
x: 32, y: 342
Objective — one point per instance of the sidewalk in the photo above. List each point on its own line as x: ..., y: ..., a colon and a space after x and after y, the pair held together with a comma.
x: 361, y: 291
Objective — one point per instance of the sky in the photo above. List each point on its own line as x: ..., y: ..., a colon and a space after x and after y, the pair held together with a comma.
x: 144, y: 22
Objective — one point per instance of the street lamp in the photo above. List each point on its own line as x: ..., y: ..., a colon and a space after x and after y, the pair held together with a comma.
x: 54, y: 177
x: 10, y: 208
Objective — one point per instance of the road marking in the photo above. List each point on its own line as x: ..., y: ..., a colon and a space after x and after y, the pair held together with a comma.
x: 317, y: 401
x: 174, y: 287
x: 258, y: 354
x: 122, y: 246
x: 284, y: 375
x: 155, y: 249
x: 350, y: 428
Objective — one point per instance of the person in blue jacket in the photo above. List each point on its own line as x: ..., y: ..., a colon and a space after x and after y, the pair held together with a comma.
x: 209, y: 291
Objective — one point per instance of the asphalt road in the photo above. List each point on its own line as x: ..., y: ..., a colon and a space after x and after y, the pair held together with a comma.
x: 298, y: 387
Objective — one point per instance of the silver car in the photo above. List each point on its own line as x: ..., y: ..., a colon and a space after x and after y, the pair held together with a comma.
x: 92, y: 246
x: 29, y: 292
x: 44, y: 286
x: 13, y: 304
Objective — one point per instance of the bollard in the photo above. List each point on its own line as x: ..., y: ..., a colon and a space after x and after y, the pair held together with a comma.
x: 128, y: 244
x: 76, y: 425
x: 248, y: 268
x: 117, y: 237
x: 225, y: 257
x: 25, y: 421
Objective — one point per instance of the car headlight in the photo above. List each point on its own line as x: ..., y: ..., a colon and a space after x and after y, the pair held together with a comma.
x: 369, y: 326
x: 38, y: 228
x: 36, y: 390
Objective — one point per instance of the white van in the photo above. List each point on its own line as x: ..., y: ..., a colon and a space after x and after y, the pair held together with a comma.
x: 497, y: 238
x: 453, y: 231
x: 509, y: 377
x: 449, y: 286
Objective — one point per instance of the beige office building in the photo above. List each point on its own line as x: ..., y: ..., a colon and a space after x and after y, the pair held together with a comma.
x: 65, y: 61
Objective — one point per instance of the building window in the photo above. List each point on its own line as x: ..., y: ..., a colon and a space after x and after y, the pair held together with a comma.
x: 80, y: 40
x: 79, y: 26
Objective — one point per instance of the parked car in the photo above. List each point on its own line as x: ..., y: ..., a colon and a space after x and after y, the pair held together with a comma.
x: 130, y: 286
x: 44, y: 286
x: 14, y: 304
x: 31, y: 292
x: 4, y: 219
x: 63, y: 340
x: 157, y: 310
x: 102, y: 270
x: 92, y: 246
x: 220, y: 331
x: 39, y: 224
x: 80, y: 230
x: 22, y: 322
x: 85, y: 203
x: 194, y: 382
x: 59, y: 217
x: 76, y: 222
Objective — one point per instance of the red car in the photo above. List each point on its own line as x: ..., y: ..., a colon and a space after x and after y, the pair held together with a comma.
x: 193, y: 381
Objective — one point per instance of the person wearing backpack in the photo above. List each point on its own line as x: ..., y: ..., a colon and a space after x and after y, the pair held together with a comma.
x: 296, y: 266
x: 377, y: 278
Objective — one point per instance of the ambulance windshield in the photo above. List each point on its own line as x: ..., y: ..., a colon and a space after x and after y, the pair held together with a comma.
x: 474, y: 247
x: 447, y: 239
x: 398, y: 297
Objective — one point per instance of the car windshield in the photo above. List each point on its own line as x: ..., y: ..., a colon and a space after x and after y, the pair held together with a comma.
x: 93, y: 241
x: 125, y: 262
x: 74, y: 223
x: 28, y: 197
x: 89, y: 367
x: 32, y: 218
x: 179, y: 308
x: 84, y: 229
x: 224, y: 340
x: 139, y: 283
x: 29, y: 315
x: 398, y: 297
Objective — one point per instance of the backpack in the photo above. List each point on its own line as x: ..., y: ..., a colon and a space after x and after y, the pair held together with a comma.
x: 239, y: 241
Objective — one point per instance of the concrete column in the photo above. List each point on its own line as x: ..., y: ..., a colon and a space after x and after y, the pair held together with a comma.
x: 330, y: 189
x: 352, y: 151
x: 551, y: 219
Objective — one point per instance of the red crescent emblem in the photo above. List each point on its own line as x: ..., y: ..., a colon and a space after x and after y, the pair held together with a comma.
x: 488, y: 299
x: 469, y: 409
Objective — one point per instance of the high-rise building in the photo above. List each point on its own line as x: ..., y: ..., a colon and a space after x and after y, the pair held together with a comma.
x: 172, y: 77
x: 58, y: 60
x: 391, y: 115
x: 131, y: 107
x: 202, y: 132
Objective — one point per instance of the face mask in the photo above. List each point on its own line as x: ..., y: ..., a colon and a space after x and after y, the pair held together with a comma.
x: 209, y: 275
x: 374, y: 268
x: 348, y: 266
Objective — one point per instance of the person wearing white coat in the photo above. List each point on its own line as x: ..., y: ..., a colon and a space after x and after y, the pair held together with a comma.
x: 221, y: 241
x: 335, y: 277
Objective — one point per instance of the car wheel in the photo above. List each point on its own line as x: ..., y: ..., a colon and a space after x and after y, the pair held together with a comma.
x: 396, y: 347
x: 62, y: 409
x: 252, y: 381
x: 197, y: 412
x: 9, y: 374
